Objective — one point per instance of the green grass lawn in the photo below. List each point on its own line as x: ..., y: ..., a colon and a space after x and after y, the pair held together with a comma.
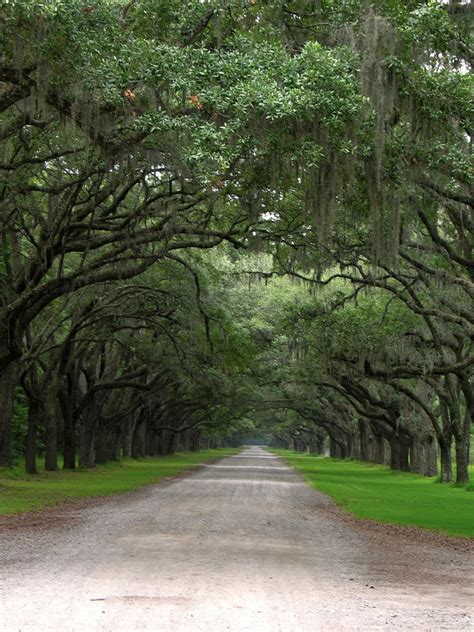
x: 21, y: 492
x: 377, y: 493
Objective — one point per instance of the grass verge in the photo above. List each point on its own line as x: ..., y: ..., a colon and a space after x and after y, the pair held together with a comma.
x: 377, y: 493
x: 20, y: 492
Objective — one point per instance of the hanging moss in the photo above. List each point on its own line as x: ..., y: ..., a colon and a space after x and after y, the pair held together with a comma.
x: 379, y: 41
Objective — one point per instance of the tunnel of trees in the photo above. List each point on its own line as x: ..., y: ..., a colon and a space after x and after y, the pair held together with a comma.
x: 223, y: 219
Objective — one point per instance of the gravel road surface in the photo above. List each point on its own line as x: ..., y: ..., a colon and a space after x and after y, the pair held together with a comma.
x: 242, y: 544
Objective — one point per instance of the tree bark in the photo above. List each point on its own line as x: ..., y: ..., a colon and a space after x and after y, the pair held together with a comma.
x: 69, y: 448
x: 363, y: 441
x: 171, y: 443
x: 399, y: 454
x: 102, y: 444
x: 116, y: 446
x: 349, y: 446
x: 423, y: 458
x: 50, y: 429
x: 462, y: 458
x: 395, y: 456
x: 445, y: 456
x: 31, y: 438
x: 195, y: 441
x: 87, y: 438
x: 337, y: 449
x: 183, y: 445
x: 379, y: 448
x: 8, y: 382
x: 67, y: 402
x: 431, y: 465
x: 150, y: 440
x: 138, y: 440
x: 69, y: 431
x: 127, y: 432
x: 417, y: 455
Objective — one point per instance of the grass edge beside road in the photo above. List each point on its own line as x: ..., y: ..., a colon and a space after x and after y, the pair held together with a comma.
x: 20, y: 492
x: 374, y: 492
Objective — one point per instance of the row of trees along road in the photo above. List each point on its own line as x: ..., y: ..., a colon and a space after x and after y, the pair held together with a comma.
x: 148, y: 148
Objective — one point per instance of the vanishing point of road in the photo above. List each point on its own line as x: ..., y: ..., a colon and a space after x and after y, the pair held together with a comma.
x: 241, y: 544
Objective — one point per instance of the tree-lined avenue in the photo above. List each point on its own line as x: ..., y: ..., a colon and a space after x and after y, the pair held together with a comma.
x: 242, y: 544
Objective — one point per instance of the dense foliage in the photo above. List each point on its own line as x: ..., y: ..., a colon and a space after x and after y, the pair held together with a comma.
x: 222, y: 219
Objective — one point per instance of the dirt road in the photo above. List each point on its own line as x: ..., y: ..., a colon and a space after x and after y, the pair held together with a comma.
x: 242, y: 544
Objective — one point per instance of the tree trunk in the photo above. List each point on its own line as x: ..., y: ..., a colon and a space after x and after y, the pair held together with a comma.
x: 50, y: 430
x: 87, y: 438
x: 431, y: 461
x: 399, y: 455
x: 150, y: 439
x: 184, y: 441
x: 363, y: 441
x: 445, y: 456
x: 116, y: 446
x: 172, y: 440
x: 103, y: 443
x: 405, y: 458
x: 395, y: 456
x: 462, y: 458
x: 69, y: 436
x: 462, y: 437
x: 195, y: 441
x: 138, y: 441
x: 417, y: 455
x: 67, y: 395
x: 299, y: 445
x: 317, y: 443
x: 337, y: 449
x: 69, y: 449
x: 423, y: 458
x: 127, y: 432
x: 126, y: 443
x: 379, y: 451
x: 349, y: 446
x: 31, y: 438
x: 8, y: 382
